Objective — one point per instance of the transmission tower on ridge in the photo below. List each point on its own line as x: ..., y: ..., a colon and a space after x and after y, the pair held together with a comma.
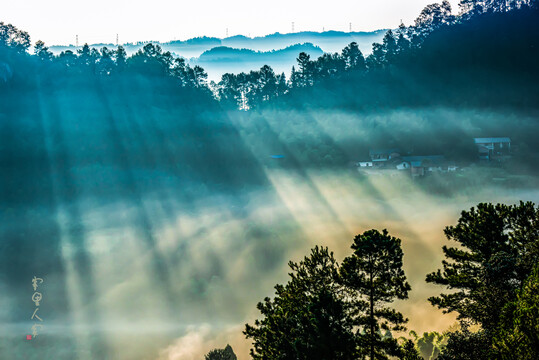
x: 77, y: 40
x: 116, y: 39
x: 292, y: 26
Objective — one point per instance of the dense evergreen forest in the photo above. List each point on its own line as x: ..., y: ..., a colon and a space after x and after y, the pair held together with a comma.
x: 484, y: 58
x: 98, y: 129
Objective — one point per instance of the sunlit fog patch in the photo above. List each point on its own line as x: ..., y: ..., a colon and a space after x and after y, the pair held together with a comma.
x: 162, y: 241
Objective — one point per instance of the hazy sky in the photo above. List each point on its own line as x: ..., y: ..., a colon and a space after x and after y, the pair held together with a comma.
x: 58, y: 21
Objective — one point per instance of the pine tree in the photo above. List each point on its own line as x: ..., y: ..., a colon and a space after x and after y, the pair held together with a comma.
x: 497, y: 252
x: 308, y: 319
x: 121, y: 58
x: 375, y: 277
x: 221, y: 354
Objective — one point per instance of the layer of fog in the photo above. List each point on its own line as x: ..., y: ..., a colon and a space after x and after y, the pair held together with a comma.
x: 146, y: 257
x: 192, y: 49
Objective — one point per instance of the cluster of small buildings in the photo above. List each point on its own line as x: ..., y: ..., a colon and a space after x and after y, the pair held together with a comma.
x: 392, y: 161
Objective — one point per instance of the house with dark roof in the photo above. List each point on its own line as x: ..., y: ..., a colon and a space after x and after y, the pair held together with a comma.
x: 496, y: 148
x: 389, y: 161
x: 384, y: 154
x: 422, y: 164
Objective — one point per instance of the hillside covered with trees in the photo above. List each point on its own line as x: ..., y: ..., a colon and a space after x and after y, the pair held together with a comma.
x: 484, y: 56
x: 483, y: 59
x: 157, y: 189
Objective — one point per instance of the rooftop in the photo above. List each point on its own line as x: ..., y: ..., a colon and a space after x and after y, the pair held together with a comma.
x: 383, y: 151
x: 423, y: 157
x: 492, y: 140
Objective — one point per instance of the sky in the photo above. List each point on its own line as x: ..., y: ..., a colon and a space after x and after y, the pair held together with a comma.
x: 57, y: 22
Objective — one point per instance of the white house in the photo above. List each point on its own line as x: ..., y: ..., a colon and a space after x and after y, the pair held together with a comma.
x: 363, y: 164
x: 403, y: 166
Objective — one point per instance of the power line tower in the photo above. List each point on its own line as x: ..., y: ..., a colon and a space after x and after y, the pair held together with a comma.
x: 292, y: 26
x: 350, y: 28
x: 226, y: 32
x: 116, y: 39
x: 77, y: 40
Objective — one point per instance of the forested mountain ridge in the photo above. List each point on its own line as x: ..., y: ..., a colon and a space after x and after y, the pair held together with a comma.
x: 225, y: 53
x: 328, y: 40
x: 121, y: 167
x: 222, y: 59
x: 481, y: 58
x: 442, y: 58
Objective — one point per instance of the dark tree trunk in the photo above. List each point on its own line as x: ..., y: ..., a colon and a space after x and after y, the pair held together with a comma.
x: 372, y: 316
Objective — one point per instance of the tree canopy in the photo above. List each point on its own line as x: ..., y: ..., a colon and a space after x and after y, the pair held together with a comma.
x: 308, y: 318
x: 497, y: 252
x: 221, y: 354
x: 329, y: 310
x: 332, y: 311
x: 374, y: 275
x: 464, y: 52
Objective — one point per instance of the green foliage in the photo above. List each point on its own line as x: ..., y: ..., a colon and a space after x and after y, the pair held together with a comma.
x: 353, y: 58
x: 432, y: 17
x: 476, y: 7
x: 121, y: 58
x: 41, y: 51
x: 106, y: 64
x: 467, y: 345
x: 442, y: 59
x: 221, y: 354
x: 248, y: 91
x: 306, y: 67
x: 518, y: 335
x: 327, y: 311
x: 497, y: 250
x: 409, y: 351
x: 438, y: 48
x: 308, y: 318
x: 430, y: 344
x: 148, y: 62
x: 13, y: 38
x: 374, y: 277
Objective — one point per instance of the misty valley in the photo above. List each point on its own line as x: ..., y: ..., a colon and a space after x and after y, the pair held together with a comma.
x: 361, y: 203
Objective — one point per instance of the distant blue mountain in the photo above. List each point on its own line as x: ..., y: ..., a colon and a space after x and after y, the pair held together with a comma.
x: 241, y: 53
x: 225, y: 53
x: 223, y: 59
x: 328, y: 41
